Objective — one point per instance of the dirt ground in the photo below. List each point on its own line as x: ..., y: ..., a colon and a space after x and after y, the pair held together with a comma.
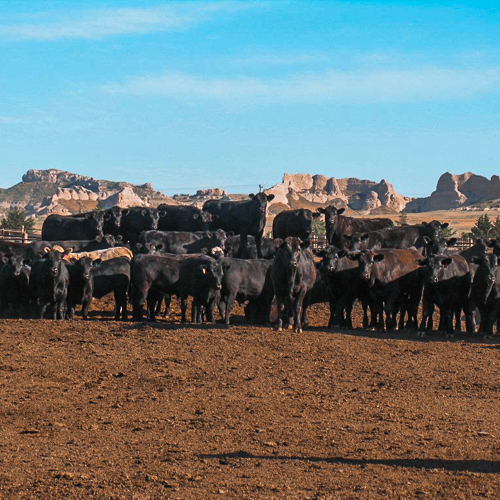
x: 102, y: 409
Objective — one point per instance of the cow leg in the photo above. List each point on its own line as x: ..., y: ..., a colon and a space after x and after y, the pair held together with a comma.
x: 426, y: 323
x: 184, y: 307
x: 71, y: 311
x: 139, y: 296
x: 298, y: 308
x: 229, y: 307
x: 152, y: 300
x: 280, y: 306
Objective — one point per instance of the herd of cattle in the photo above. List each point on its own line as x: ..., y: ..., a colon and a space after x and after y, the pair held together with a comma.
x: 218, y: 255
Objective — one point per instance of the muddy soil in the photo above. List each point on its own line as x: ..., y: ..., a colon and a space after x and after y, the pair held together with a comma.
x: 101, y: 409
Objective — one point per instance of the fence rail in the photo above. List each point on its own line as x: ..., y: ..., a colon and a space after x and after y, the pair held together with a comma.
x: 319, y: 242
x: 19, y: 235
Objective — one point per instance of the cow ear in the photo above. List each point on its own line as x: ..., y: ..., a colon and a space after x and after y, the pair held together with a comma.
x: 144, y: 211
x: 446, y: 262
x: 89, y: 215
x: 316, y: 215
x: 26, y: 262
x: 422, y: 262
x: 204, y: 269
x: 162, y: 213
x: 342, y: 253
x: 270, y: 197
x: 321, y: 211
x: 107, y: 216
x: 119, y: 239
x: 196, y: 216
x: 378, y: 257
x: 305, y: 243
x: 125, y: 211
x: 444, y: 225
x: 364, y: 237
x: 340, y: 211
x: 251, y: 196
x: 96, y: 262
x: 451, y: 242
x: 98, y: 238
x: 139, y: 246
x: 490, y: 243
x: 159, y: 247
x: 214, y: 217
x: 5, y: 259
x: 72, y: 260
x: 352, y: 255
x: 47, y: 250
x: 427, y: 240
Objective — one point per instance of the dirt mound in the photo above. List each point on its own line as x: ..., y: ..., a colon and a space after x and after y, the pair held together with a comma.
x: 101, y: 409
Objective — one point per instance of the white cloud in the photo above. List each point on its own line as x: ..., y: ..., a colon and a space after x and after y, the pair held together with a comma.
x: 100, y: 23
x: 363, y: 86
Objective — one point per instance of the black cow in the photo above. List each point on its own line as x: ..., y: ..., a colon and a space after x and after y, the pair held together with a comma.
x: 293, y: 274
x: 344, y: 286
x: 13, y: 248
x: 111, y: 275
x: 269, y: 247
x: 201, y: 277
x: 245, y: 280
x: 36, y: 248
x: 138, y: 219
x: 479, y: 249
x: 296, y: 223
x: 447, y: 285
x: 48, y: 286
x: 485, y: 293
x: 184, y: 218
x: 14, y: 282
x: 69, y: 227
x: 338, y: 225
x: 242, y: 217
x: 112, y: 220
x: 153, y: 276
x: 181, y: 242
x: 404, y: 236
x: 81, y: 285
x: 395, y: 284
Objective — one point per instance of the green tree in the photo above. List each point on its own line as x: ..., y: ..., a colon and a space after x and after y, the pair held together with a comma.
x: 16, y: 219
x: 496, y: 227
x: 448, y: 232
x: 403, y: 218
x: 318, y: 226
x: 482, y: 229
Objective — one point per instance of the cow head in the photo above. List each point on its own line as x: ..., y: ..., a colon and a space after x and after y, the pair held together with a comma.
x: 366, y: 261
x: 356, y: 241
x: 14, y: 263
x: 331, y: 219
x: 330, y: 259
x: 209, y: 273
x: 84, y: 267
x: 437, y: 247
x: 434, y: 267
x: 261, y: 199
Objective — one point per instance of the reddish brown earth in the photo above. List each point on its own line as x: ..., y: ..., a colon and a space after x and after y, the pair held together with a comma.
x: 101, y: 409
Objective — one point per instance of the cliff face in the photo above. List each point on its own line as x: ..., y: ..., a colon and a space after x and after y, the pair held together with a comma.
x: 354, y: 193
x: 455, y: 191
x: 43, y: 192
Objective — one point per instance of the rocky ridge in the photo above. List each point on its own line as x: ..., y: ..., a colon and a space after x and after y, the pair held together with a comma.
x: 43, y: 192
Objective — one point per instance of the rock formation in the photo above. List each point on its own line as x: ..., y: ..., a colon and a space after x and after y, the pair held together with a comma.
x: 454, y: 191
x: 350, y: 192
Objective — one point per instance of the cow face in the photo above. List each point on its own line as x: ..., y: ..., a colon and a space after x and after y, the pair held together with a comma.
x: 487, y: 265
x: 331, y: 258
x: 96, y: 219
x: 84, y: 266
x: 435, y: 267
x: 14, y: 264
x: 55, y: 261
x: 210, y: 274
x: 356, y: 241
x: 261, y: 199
x: 291, y: 252
x: 366, y: 260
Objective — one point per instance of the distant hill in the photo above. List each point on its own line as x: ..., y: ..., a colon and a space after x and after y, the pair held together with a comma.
x: 43, y: 192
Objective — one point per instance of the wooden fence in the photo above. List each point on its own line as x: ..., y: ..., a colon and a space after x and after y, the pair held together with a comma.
x: 319, y: 242
x: 19, y: 235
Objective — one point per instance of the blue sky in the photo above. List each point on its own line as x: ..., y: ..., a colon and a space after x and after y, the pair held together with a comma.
x: 232, y: 94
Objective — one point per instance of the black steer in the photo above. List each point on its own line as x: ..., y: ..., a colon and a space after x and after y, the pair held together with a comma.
x: 293, y: 274
x: 296, y: 223
x: 245, y: 217
x: 69, y: 227
x: 184, y: 218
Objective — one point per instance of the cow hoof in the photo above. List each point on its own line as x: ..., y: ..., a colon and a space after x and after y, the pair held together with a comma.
x: 279, y: 329
x: 298, y: 330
